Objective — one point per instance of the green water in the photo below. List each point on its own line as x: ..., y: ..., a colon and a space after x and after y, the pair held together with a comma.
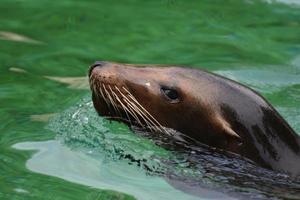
x: 253, y: 42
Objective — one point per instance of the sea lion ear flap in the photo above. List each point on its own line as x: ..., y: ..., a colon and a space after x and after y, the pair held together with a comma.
x: 231, y: 132
x: 226, y: 128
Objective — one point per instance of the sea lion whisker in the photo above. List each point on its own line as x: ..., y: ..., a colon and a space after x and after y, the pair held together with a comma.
x: 135, y: 100
x: 129, y: 111
x: 135, y: 113
x: 98, y: 87
x: 91, y: 82
x: 93, y: 85
x: 130, y: 103
x: 154, y: 122
x: 139, y: 113
x: 124, y: 106
x: 110, y: 98
x: 103, y: 96
x: 117, y: 118
x: 95, y: 88
x: 126, y: 113
x: 134, y: 108
x: 112, y: 103
x: 150, y: 124
x: 114, y: 96
x: 154, y: 126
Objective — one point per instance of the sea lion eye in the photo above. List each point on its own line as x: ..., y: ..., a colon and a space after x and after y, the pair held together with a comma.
x: 171, y: 94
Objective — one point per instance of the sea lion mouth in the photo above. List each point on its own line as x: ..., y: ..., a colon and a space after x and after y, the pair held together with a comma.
x: 114, y: 101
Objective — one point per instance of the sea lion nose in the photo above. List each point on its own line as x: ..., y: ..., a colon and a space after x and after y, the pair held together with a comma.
x: 96, y: 64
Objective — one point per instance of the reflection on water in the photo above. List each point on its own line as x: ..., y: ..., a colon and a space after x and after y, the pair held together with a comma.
x: 57, y: 160
x: 285, y: 1
x: 262, y: 79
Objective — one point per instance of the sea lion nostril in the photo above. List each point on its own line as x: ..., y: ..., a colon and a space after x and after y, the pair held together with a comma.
x: 96, y: 64
x: 99, y: 63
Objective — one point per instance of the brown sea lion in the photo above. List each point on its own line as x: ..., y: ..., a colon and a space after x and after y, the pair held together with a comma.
x: 206, y: 107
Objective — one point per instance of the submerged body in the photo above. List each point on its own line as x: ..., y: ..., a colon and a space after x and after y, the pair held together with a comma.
x: 208, y: 108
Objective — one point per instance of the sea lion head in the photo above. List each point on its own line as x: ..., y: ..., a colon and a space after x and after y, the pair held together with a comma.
x: 203, y: 106
x: 155, y: 97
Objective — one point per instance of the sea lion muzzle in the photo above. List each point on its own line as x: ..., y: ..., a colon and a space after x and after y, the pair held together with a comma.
x: 96, y: 64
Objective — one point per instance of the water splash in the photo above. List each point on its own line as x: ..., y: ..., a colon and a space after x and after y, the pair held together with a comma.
x: 194, y: 169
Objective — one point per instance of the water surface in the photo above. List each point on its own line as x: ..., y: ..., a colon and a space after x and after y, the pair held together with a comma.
x: 45, y: 44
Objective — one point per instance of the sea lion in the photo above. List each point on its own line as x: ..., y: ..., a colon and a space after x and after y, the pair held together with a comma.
x: 207, y: 107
